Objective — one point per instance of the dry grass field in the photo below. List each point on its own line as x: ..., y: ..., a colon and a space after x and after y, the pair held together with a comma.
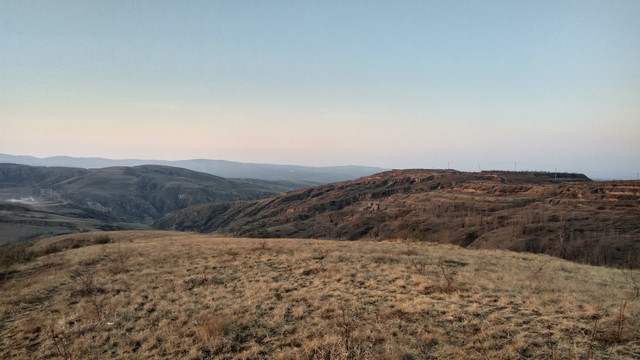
x: 168, y: 295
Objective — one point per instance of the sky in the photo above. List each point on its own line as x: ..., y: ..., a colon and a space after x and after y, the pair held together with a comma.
x: 525, y: 85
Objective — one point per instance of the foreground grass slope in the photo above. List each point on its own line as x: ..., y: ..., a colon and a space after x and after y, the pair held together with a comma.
x: 173, y: 295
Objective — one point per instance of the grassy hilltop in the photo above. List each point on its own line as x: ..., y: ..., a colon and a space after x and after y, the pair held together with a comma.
x: 129, y: 295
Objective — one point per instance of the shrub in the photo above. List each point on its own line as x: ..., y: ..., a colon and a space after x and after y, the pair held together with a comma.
x: 448, y: 277
x: 419, y: 265
x: 118, y: 261
x: 102, y: 239
x: 14, y: 253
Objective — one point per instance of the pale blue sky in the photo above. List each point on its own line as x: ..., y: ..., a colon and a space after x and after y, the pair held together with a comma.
x: 398, y: 84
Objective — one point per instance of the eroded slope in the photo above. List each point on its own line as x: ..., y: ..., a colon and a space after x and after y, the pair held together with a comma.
x: 564, y: 215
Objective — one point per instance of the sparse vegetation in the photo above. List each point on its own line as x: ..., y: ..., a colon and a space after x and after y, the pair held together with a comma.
x: 347, y: 326
x: 60, y: 344
x: 448, y: 278
x: 568, y: 217
x: 632, y: 281
x: 195, y: 297
x: 14, y: 253
x: 320, y: 256
x: 419, y: 265
x: 616, y: 336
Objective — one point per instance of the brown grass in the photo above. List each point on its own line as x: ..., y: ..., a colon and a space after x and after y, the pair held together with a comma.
x: 177, y: 295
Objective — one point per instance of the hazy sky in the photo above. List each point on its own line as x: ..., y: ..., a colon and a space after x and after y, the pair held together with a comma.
x: 398, y: 84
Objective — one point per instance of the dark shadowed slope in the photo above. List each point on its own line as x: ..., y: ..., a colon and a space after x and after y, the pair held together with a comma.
x: 565, y: 215
x: 50, y: 198
x: 137, y: 194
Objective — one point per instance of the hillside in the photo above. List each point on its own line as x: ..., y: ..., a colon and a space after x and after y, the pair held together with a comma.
x: 52, y: 200
x: 28, y: 221
x: 165, y: 295
x: 293, y: 176
x: 564, y: 215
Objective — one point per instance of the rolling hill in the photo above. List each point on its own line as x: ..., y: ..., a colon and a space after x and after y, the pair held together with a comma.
x: 169, y: 295
x: 48, y: 201
x: 565, y: 215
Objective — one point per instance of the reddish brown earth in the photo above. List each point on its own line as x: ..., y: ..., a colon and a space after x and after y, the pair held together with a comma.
x: 564, y: 215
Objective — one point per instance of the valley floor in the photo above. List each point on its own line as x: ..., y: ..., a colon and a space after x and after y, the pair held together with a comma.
x: 145, y: 294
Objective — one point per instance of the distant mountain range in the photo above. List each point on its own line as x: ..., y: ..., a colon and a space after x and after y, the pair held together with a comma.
x: 295, y: 176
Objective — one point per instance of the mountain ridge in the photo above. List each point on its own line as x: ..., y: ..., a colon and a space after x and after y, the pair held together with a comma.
x: 565, y: 215
x: 222, y: 168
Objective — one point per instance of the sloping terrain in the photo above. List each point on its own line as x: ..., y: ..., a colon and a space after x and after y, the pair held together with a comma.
x: 136, y: 194
x: 29, y: 221
x: 292, y: 176
x: 565, y: 215
x: 42, y: 201
x: 165, y: 295
x: 278, y: 186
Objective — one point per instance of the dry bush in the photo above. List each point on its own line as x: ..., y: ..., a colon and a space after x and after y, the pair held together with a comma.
x: 419, y: 265
x: 87, y: 288
x: 319, y: 256
x: 49, y: 249
x: 537, y: 270
x: 262, y: 246
x: 118, y: 261
x: 385, y: 259
x: 631, y: 277
x: 449, y: 280
x: 617, y: 333
x: 61, y: 342
x: 409, y: 252
x: 102, y: 239
x: 346, y: 327
x: 593, y: 337
x: 537, y: 274
x: 15, y: 253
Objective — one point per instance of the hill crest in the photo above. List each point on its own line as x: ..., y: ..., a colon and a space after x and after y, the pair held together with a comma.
x: 168, y: 295
x: 565, y: 215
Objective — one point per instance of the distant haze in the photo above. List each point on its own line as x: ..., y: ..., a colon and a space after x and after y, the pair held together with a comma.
x: 539, y: 85
x: 296, y: 176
